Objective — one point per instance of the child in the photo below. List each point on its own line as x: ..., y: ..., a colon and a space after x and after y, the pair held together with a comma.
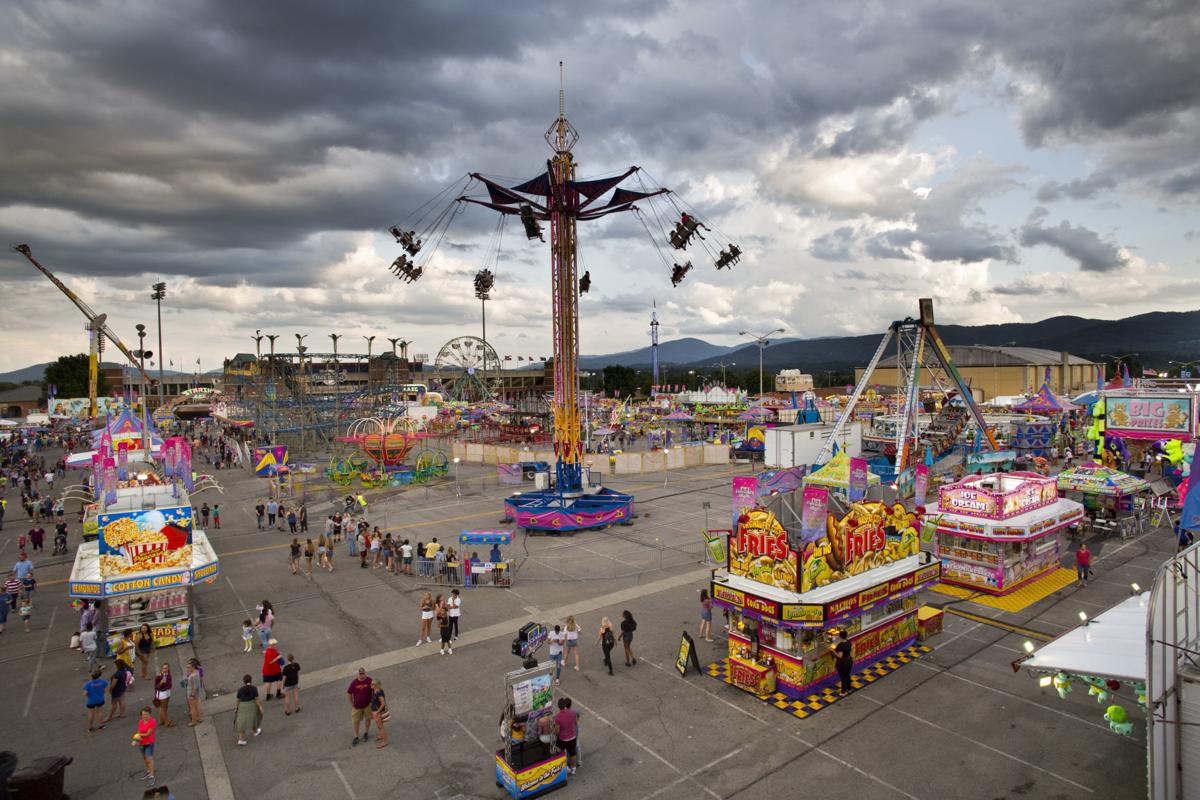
x: 87, y: 643
x: 247, y: 636
x: 216, y: 516
x: 26, y: 611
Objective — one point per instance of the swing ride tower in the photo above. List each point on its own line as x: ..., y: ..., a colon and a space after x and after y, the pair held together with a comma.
x: 561, y: 200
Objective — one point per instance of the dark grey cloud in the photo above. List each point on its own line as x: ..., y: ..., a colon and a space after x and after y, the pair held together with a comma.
x: 1084, y: 246
x: 1184, y: 182
x: 1026, y: 288
x: 837, y: 245
x: 1078, y: 189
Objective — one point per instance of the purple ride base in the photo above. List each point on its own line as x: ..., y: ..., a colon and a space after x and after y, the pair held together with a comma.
x: 553, y: 511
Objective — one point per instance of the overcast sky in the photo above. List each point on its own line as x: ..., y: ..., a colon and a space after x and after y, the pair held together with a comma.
x: 1015, y: 160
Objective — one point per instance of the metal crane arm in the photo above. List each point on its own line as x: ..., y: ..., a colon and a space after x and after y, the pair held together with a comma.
x: 91, y: 315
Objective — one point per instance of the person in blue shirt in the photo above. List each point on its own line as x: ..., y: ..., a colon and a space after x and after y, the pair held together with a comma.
x: 23, y: 567
x: 95, y: 701
x: 495, y: 556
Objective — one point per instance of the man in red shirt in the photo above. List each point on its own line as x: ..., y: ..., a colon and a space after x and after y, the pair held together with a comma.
x: 567, y: 721
x: 272, y: 670
x: 360, y: 704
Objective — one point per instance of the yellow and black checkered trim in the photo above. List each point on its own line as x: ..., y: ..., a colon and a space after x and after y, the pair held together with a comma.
x: 812, y: 703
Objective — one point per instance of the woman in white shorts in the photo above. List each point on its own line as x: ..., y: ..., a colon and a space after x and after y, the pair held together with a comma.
x: 572, y: 642
x: 423, y: 633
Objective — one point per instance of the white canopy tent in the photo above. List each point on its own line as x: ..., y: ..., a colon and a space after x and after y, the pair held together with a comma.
x: 1113, y: 645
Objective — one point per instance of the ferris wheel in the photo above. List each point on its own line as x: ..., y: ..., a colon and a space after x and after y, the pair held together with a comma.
x: 468, y: 369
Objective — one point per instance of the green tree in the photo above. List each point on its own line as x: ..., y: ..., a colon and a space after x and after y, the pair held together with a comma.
x: 70, y: 375
x: 620, y: 381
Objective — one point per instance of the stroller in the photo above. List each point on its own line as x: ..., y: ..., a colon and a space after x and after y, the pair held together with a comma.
x: 60, y: 544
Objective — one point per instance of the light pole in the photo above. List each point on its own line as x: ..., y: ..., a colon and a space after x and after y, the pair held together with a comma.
x: 1117, y: 361
x: 484, y: 280
x: 160, y: 291
x: 141, y: 353
x: 301, y: 386
x: 762, y: 343
x: 457, y: 489
x: 271, y: 337
x: 369, y: 339
x: 1185, y: 365
x: 723, y: 365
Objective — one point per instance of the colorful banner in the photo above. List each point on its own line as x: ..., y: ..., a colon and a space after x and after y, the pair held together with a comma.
x: 139, y: 541
x: 921, y: 484
x: 1150, y: 417
x: 869, y: 535
x: 567, y: 521
x: 745, y: 496
x: 858, y: 479
x: 760, y: 552
x: 814, y: 508
x: 781, y: 481
x: 268, y: 460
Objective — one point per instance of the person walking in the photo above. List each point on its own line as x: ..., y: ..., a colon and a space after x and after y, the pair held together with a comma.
x: 310, y: 551
x: 94, y: 692
x: 572, y: 631
x: 145, y: 648
x: 380, y: 713
x: 406, y: 557
x: 216, y: 516
x: 266, y: 622
x: 360, y: 692
x: 705, y: 631
x: 247, y: 636
x: 292, y: 520
x: 117, y: 686
x: 1083, y: 564
x: 291, y: 686
x: 628, y: 626
x: 260, y: 512
x: 843, y: 661
x: 162, y: 695
x: 272, y: 510
x: 249, y: 711
x: 607, y: 641
x: 87, y: 645
x: 426, y: 627
x: 443, y: 617
x: 12, y: 588
x: 205, y: 511
x: 302, y: 517
x: 322, y: 548
x: 144, y: 739
x: 294, y: 555
x: 454, y: 610
x: 556, y: 639
x: 566, y: 721
x: 193, y: 691
x: 363, y: 542
x: 272, y: 670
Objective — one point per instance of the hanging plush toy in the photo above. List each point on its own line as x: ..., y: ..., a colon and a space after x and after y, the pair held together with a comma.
x: 1140, y: 690
x: 1118, y: 720
x: 1096, y: 689
x: 1098, y: 426
x: 1062, y: 684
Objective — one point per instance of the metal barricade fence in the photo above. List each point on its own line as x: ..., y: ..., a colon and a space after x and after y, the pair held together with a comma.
x: 430, y: 572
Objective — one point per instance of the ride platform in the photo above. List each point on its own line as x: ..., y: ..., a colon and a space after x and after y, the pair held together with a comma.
x: 555, y: 511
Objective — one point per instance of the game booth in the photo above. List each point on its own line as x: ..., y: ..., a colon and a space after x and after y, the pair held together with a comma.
x: 836, y: 474
x: 143, y: 565
x: 796, y: 577
x: 1109, y: 496
x: 487, y: 572
x: 997, y: 532
x: 527, y: 766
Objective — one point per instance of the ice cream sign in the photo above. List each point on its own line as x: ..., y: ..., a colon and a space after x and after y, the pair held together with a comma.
x: 968, y: 501
x: 139, y: 541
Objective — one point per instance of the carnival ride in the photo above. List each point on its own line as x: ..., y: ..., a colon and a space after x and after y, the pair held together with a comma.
x: 97, y: 328
x: 558, y: 198
x: 918, y: 346
x: 467, y: 369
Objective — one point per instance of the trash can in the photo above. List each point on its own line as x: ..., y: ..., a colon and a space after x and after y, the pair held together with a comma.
x: 8, y: 765
x: 41, y: 780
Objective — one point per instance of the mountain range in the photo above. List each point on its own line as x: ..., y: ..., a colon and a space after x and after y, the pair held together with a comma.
x: 1156, y: 338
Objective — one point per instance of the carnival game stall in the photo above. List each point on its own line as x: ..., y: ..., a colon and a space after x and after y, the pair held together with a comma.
x: 144, y: 564
x: 997, y: 532
x: 790, y: 590
x: 1108, y: 496
x: 487, y: 572
x: 835, y: 475
x: 1107, y: 654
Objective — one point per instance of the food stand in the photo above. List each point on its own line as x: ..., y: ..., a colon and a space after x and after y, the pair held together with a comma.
x: 790, y: 590
x: 144, y: 563
x: 526, y: 766
x: 997, y: 532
